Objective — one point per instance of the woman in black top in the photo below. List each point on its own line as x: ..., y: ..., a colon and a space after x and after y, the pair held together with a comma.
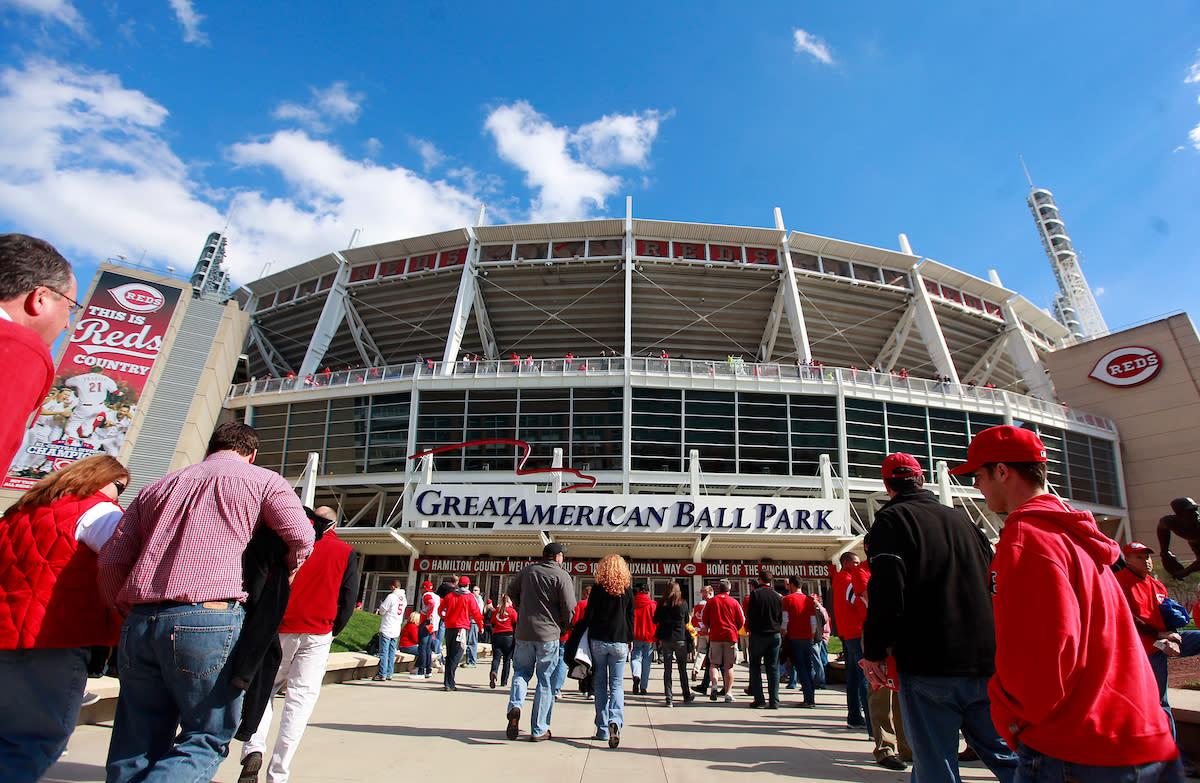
x: 671, y: 617
x: 609, y: 622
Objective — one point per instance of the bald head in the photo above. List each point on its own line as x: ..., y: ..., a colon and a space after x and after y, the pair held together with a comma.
x: 325, y: 512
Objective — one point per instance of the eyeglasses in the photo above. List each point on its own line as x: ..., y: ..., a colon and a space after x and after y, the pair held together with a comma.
x: 75, y: 306
x: 120, y: 485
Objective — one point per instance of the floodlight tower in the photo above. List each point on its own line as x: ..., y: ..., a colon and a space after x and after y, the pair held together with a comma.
x: 1074, y: 305
x: 209, y: 279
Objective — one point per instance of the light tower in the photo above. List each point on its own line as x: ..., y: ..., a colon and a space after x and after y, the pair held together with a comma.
x: 1074, y: 305
x: 209, y: 279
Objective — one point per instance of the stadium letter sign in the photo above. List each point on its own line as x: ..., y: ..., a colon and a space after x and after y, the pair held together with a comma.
x: 1129, y: 366
x: 522, y: 507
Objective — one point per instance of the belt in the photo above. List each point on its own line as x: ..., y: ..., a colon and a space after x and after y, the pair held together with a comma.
x: 225, y: 603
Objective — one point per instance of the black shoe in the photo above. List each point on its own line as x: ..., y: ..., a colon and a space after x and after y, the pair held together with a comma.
x: 378, y: 678
x: 514, y: 723
x: 716, y: 694
x: 689, y: 698
x: 758, y: 705
x: 637, y: 685
x: 492, y: 680
x: 614, y: 735
x: 892, y: 762
x: 773, y: 705
x: 250, y: 767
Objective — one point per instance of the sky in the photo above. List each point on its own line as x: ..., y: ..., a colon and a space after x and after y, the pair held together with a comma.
x: 134, y: 129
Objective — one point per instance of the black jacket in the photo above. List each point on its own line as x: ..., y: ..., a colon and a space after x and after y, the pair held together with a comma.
x: 671, y: 623
x: 929, y: 598
x: 764, y: 610
x: 609, y: 618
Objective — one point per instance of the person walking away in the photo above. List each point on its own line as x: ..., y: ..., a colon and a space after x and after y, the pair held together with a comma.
x: 1073, y: 692
x: 37, y: 300
x: 802, y: 631
x: 884, y: 713
x: 459, y: 610
x: 587, y: 684
x: 473, y: 633
x: 608, y: 621
x: 643, y: 637
x: 764, y: 620
x: 321, y: 603
x: 701, y: 662
x: 392, y: 610
x: 820, y: 660
x: 174, y: 568
x: 427, y: 633
x: 849, y: 585
x: 670, y: 621
x: 724, y: 617
x: 544, y: 598
x: 504, y: 620
x: 53, y: 614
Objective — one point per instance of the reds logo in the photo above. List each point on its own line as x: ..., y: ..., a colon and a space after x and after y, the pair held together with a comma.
x: 138, y: 297
x: 1128, y: 366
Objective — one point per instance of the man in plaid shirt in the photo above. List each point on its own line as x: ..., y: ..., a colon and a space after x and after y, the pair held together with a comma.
x: 174, y: 567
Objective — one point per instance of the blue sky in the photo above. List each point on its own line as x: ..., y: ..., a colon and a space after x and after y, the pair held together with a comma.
x: 134, y: 129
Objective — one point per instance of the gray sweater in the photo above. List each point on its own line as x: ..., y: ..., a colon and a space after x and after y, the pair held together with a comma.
x: 545, y: 600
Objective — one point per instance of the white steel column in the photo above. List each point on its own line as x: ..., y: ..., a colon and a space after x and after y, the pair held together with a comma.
x: 791, y: 297
x: 1024, y: 356
x: 931, y: 331
x: 331, y: 318
x: 468, y: 291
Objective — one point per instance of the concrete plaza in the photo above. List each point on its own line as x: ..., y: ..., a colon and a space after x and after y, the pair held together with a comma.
x: 412, y: 730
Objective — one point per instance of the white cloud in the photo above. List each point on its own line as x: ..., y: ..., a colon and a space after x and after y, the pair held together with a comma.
x: 807, y: 43
x: 190, y: 21
x: 1194, y: 72
x: 431, y: 156
x: 60, y: 10
x: 84, y: 162
x: 334, y: 104
x: 569, y: 188
x: 1194, y: 135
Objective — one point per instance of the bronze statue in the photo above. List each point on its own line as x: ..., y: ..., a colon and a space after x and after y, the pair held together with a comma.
x: 1185, y: 523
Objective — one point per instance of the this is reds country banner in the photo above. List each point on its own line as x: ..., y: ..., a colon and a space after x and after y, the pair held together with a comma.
x: 100, y: 378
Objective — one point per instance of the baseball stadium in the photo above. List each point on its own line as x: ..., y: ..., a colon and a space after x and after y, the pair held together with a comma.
x: 700, y: 398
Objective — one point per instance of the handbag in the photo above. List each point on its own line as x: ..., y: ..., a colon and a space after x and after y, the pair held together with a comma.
x: 373, y: 645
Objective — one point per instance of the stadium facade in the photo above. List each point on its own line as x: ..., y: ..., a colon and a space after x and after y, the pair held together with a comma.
x: 697, y: 397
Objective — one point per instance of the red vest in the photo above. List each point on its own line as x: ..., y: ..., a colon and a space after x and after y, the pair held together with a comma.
x: 313, y: 605
x: 26, y: 384
x: 48, y: 593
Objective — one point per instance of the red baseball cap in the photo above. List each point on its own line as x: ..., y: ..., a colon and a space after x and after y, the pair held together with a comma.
x: 1002, y: 444
x: 1133, y: 548
x: 427, y: 585
x: 901, y: 465
x: 464, y: 581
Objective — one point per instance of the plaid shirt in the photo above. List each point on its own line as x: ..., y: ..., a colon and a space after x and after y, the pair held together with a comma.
x: 183, y: 536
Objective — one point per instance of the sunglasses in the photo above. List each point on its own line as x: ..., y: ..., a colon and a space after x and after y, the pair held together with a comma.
x: 120, y: 485
x: 75, y: 306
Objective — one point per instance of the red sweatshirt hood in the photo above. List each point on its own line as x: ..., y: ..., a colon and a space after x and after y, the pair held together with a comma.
x: 1080, y: 525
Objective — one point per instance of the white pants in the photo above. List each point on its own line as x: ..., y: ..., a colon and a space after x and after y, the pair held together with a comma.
x: 302, y: 670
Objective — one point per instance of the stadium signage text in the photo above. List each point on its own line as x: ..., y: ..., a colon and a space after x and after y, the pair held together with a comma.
x: 523, y: 508
x: 814, y: 569
x: 1129, y: 366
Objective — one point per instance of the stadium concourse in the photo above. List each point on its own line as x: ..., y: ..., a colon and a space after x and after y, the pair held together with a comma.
x: 412, y: 730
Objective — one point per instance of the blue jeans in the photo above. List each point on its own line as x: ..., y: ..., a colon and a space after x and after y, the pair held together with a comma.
x: 764, y: 653
x: 608, y: 667
x: 856, y: 686
x: 934, y: 710
x: 803, y: 661
x: 177, y: 710
x: 43, y: 692
x: 1035, y: 767
x: 425, y: 643
x: 473, y: 644
x: 643, y: 653
x: 559, y: 676
x: 387, y: 656
x: 819, y: 659
x: 1158, y: 664
x: 540, y: 658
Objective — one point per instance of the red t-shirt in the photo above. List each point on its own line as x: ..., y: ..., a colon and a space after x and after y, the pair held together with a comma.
x: 1145, y: 595
x: 724, y: 617
x: 800, y: 610
x: 503, y: 622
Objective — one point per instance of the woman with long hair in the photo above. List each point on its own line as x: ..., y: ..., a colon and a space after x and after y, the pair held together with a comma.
x: 608, y: 619
x: 504, y: 620
x: 670, y: 619
x: 54, y: 610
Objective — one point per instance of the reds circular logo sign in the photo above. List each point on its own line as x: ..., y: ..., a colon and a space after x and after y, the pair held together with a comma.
x: 138, y: 297
x: 688, y: 569
x: 579, y: 568
x: 1129, y: 366
x: 423, y: 564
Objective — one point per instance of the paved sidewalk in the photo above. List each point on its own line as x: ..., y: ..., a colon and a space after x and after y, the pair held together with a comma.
x: 412, y: 730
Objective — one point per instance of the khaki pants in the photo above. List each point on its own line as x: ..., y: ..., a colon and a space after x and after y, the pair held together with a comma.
x: 884, y: 706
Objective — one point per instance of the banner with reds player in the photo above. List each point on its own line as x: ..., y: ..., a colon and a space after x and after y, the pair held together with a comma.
x: 100, y: 377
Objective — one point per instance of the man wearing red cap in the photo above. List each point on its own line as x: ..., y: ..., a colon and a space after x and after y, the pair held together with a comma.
x: 1073, y: 692
x: 427, y: 631
x: 1145, y: 595
x: 459, y: 610
x: 928, y: 605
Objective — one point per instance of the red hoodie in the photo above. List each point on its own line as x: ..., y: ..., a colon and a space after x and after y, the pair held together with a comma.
x: 1071, y: 675
x: 848, y: 609
x: 643, y: 617
x: 459, y: 609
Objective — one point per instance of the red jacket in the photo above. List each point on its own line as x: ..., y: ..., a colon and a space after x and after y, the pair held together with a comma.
x: 848, y: 609
x: 30, y: 373
x: 1144, y: 595
x: 643, y: 617
x: 724, y: 617
x: 1071, y: 676
x: 698, y: 619
x: 313, y: 605
x: 408, y: 634
x: 800, y: 610
x: 459, y: 609
x: 503, y: 622
x: 48, y: 593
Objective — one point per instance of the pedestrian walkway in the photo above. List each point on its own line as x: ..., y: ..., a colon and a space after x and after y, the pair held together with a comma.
x: 412, y: 730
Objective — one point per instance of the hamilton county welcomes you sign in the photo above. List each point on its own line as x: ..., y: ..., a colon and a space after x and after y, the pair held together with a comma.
x: 522, y: 507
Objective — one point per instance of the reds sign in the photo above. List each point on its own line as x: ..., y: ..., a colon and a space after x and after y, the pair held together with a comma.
x: 1129, y: 366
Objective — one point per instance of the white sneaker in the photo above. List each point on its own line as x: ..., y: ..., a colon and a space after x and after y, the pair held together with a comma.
x: 417, y: 676
x: 729, y: 698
